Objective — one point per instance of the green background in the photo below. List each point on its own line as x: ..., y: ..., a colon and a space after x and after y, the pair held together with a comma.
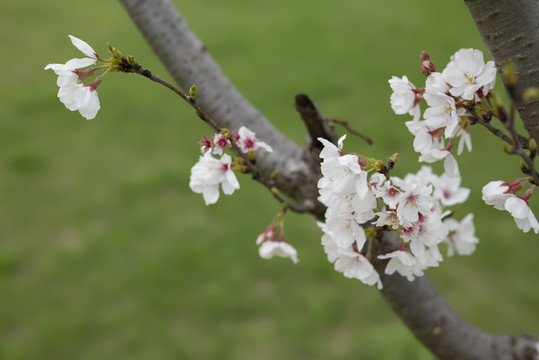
x: 107, y: 254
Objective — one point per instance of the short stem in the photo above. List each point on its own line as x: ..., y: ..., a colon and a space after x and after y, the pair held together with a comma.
x: 137, y: 69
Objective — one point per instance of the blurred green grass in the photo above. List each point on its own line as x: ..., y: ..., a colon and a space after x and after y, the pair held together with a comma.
x: 107, y: 254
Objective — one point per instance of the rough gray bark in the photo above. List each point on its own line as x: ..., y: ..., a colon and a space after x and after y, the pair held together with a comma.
x: 417, y: 303
x: 510, y: 29
x: 436, y: 325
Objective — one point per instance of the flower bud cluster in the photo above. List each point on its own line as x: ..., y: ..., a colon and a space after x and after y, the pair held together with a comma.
x: 358, y: 198
x: 464, y: 84
x: 215, y: 168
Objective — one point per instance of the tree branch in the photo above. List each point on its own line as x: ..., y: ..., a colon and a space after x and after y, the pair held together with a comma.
x: 510, y: 29
x: 436, y: 325
x: 417, y: 303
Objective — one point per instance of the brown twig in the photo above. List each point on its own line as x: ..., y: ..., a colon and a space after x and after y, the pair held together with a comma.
x: 256, y: 175
x: 346, y: 125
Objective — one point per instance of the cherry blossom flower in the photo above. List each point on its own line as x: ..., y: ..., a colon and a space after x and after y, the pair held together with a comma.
x: 73, y: 93
x: 388, y: 218
x: 205, y: 145
x: 495, y: 193
x: 426, y: 138
x: 208, y: 173
x: 354, y: 265
x: 330, y: 150
x: 283, y: 249
x: 347, y: 259
x: 442, y: 112
x: 435, y: 83
x: 389, y: 193
x: 467, y: 73
x: 404, y: 99
x: 448, y: 191
x: 522, y: 213
x: 451, y: 166
x: 461, y: 238
x: 247, y: 141
x: 220, y: 142
x: 414, y: 201
x: 403, y: 263
x: 80, y: 97
x: 345, y: 231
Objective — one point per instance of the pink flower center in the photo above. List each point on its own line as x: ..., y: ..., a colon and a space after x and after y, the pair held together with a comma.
x: 249, y: 143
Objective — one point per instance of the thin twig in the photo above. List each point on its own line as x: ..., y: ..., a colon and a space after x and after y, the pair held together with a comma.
x: 346, y: 125
x: 269, y: 184
x: 517, y: 148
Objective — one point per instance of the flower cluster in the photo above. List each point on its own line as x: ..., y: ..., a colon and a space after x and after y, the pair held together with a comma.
x: 450, y: 95
x: 74, y: 93
x: 357, y: 197
x: 466, y: 79
x: 215, y: 168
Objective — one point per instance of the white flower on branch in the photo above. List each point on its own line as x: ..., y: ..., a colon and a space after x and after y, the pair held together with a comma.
x: 461, y: 238
x: 208, y: 173
x: 495, y: 193
x: 73, y: 93
x: 442, y: 112
x: 403, y: 99
x: 283, y: 249
x: 522, y: 214
x: 247, y: 141
x: 467, y: 73
x: 404, y: 263
x: 502, y: 196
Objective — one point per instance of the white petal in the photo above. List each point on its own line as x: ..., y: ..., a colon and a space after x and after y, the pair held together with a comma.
x: 83, y: 47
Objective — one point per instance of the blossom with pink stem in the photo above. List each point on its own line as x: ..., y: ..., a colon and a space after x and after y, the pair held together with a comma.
x: 73, y: 93
x: 247, y: 141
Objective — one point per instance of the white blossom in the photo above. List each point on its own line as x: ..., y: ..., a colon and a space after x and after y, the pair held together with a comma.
x: 208, y: 173
x: 461, y: 238
x: 283, y: 249
x: 467, y: 73
x: 345, y: 230
x: 442, y: 112
x: 495, y: 193
x: 522, y: 214
x: 436, y: 83
x: 414, y: 201
x: 403, y: 263
x: 247, y: 141
x: 403, y: 99
x: 448, y: 191
x: 389, y: 193
x: 330, y: 150
x: 355, y: 265
x: 73, y: 93
x: 388, y: 218
x: 220, y: 143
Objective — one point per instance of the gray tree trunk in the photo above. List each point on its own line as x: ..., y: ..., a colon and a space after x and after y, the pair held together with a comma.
x: 510, y: 29
x: 417, y: 303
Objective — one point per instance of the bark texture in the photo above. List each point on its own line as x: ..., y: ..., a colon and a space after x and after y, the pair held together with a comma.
x: 417, y: 303
x: 510, y: 29
x: 436, y: 325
